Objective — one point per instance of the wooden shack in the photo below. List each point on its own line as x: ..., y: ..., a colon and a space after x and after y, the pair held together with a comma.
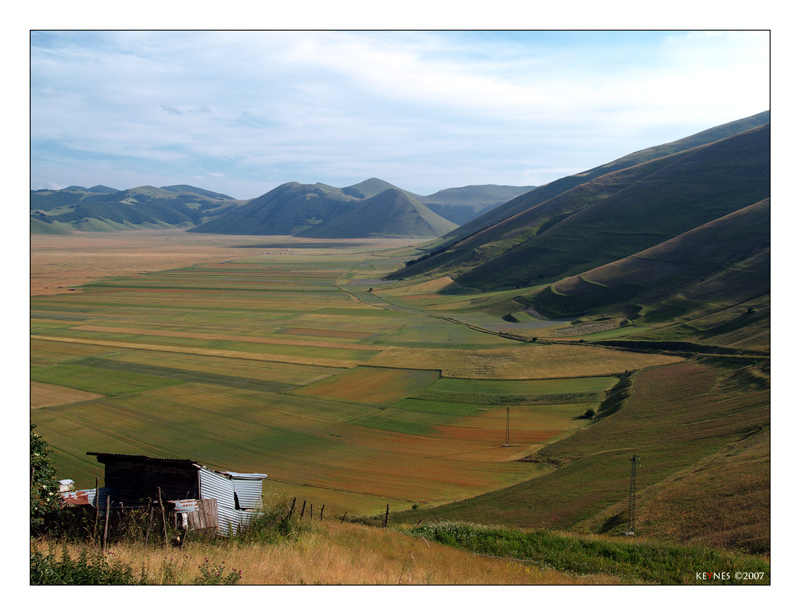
x: 200, y: 497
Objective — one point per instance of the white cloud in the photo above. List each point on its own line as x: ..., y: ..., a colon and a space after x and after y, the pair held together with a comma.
x: 284, y: 104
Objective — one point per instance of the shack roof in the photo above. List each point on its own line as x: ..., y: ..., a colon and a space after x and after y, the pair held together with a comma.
x: 104, y: 457
x: 125, y: 457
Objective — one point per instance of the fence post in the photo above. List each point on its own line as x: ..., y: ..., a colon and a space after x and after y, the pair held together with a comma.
x: 302, y: 510
x: 310, y: 511
x: 149, y: 522
x: 105, y: 530
x: 291, y: 510
x: 163, y: 516
x: 321, y: 511
x: 343, y: 516
x: 386, y: 518
x: 96, y: 507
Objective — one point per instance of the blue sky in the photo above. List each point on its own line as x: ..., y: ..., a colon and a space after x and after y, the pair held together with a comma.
x: 241, y: 112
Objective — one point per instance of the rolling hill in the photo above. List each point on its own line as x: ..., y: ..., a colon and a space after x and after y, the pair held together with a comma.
x: 548, y: 191
x: 373, y: 208
x: 681, y: 241
x: 289, y: 209
x: 105, y: 209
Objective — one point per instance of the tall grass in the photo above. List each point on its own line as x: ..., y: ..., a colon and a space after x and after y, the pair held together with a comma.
x: 632, y: 560
x: 326, y: 553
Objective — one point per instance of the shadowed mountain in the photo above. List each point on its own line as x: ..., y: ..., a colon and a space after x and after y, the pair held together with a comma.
x: 464, y: 204
x: 553, y: 189
x: 610, y: 217
x: 725, y: 261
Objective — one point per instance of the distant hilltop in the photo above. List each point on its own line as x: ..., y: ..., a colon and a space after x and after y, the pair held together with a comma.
x: 372, y: 208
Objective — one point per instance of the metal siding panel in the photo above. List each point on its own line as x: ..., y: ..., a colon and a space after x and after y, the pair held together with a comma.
x: 248, y: 492
x: 217, y: 487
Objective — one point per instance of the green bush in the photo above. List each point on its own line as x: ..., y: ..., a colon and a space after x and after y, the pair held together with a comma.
x: 274, y: 522
x: 87, y: 569
x: 44, y: 487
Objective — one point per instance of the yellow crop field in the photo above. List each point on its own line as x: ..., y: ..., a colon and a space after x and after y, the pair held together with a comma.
x: 45, y: 395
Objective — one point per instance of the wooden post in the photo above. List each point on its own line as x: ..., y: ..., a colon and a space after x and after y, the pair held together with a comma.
x: 291, y: 510
x: 302, y: 510
x: 96, y: 508
x: 386, y: 518
x: 343, y: 516
x: 321, y: 511
x: 310, y: 511
x: 108, y: 512
x: 149, y: 522
x: 163, y: 516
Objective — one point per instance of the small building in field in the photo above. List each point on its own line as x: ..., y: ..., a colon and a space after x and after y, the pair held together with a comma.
x: 201, y: 498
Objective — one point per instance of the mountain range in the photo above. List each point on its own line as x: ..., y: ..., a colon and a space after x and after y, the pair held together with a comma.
x: 372, y: 208
x: 663, y: 233
x: 672, y: 231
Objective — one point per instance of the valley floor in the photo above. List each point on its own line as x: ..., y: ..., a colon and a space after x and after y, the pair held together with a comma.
x: 290, y: 357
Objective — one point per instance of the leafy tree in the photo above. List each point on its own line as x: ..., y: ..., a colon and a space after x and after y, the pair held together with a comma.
x: 44, y: 487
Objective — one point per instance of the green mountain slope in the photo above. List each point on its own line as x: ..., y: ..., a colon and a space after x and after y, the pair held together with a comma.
x: 725, y: 261
x: 610, y: 217
x: 143, y: 207
x: 320, y: 210
x: 369, y: 187
x: 628, y: 211
x: 289, y: 209
x: 555, y: 188
x: 184, y: 188
x: 391, y: 213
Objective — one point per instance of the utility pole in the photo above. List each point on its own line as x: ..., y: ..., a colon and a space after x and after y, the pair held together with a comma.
x: 632, y: 499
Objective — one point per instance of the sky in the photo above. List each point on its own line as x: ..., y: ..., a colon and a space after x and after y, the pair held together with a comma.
x: 241, y: 112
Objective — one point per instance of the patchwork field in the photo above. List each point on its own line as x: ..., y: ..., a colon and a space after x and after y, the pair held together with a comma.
x: 279, y: 359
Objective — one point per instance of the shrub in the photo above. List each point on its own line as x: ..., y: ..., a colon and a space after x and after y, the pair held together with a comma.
x: 87, y: 569
x: 215, y: 575
x: 44, y: 488
x: 272, y: 523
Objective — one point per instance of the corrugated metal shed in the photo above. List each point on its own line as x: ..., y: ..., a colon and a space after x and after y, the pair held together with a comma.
x: 234, y: 493
x: 184, y: 483
x: 247, y: 488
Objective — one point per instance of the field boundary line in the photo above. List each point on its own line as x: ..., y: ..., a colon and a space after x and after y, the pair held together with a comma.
x: 235, y: 354
x: 231, y: 338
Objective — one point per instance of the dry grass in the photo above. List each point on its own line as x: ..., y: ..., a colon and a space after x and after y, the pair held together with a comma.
x: 46, y: 395
x: 59, y: 262
x: 530, y: 361
x: 330, y: 553
x: 735, y: 481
